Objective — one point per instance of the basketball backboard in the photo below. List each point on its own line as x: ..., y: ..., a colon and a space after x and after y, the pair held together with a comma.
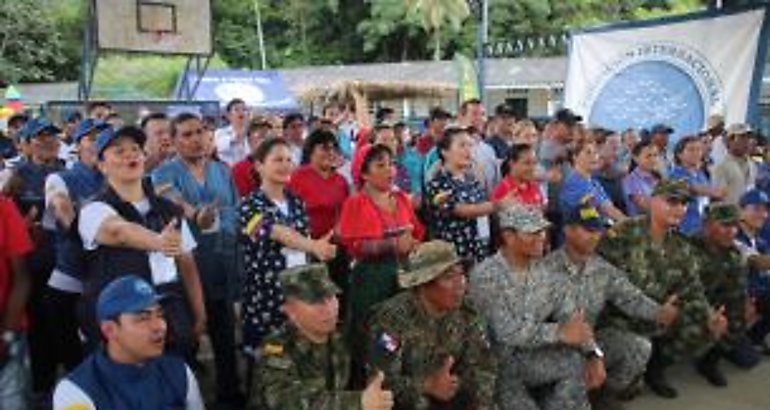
x: 154, y: 26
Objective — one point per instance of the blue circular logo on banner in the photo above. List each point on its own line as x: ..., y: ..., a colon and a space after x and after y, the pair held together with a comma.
x: 647, y: 93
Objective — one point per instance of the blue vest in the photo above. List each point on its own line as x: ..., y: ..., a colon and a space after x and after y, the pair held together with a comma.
x: 159, y: 384
x: 82, y: 183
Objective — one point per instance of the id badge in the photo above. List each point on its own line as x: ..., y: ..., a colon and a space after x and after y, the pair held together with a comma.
x: 482, y: 227
x: 163, y: 268
x: 294, y: 257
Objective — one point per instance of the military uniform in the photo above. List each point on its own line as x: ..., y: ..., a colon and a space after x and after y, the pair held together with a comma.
x: 294, y: 373
x: 661, y: 270
x: 408, y: 344
x: 724, y: 274
x: 524, y: 309
x: 591, y: 287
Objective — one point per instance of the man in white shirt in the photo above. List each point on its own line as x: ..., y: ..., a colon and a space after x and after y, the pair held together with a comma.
x: 232, y: 144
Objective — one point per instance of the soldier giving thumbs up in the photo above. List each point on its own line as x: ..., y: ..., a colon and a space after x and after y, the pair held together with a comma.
x: 374, y: 397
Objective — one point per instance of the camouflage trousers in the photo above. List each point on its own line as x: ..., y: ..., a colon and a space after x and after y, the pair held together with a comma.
x: 625, y: 357
x: 548, y: 378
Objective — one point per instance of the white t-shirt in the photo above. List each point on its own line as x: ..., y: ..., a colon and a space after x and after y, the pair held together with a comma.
x: 228, y: 148
x: 69, y: 395
x: 163, y: 268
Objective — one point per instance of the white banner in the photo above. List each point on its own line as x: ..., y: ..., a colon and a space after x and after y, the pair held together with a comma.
x: 675, y: 71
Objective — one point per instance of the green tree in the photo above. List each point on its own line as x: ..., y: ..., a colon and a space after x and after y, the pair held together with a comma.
x: 30, y: 44
x: 434, y: 15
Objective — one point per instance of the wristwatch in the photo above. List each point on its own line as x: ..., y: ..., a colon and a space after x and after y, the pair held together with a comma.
x: 593, y: 351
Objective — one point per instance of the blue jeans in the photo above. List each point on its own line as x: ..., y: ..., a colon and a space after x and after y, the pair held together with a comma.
x: 14, y: 377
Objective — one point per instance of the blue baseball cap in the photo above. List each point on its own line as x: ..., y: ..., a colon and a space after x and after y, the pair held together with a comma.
x: 110, y: 135
x: 36, y: 126
x: 127, y: 294
x: 88, y: 125
x: 586, y: 216
x: 754, y: 197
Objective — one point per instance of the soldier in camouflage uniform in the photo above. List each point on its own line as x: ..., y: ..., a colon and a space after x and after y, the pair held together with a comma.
x: 537, y: 334
x: 724, y: 274
x: 593, y: 284
x: 307, y: 366
x: 430, y: 344
x: 662, y: 262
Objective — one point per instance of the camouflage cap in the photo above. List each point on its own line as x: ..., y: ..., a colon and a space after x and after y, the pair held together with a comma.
x: 522, y: 218
x: 672, y: 188
x: 723, y: 213
x: 427, y: 262
x: 309, y: 283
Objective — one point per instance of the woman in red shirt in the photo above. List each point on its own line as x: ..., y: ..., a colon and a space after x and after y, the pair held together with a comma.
x: 318, y: 184
x: 377, y: 227
x: 520, y: 178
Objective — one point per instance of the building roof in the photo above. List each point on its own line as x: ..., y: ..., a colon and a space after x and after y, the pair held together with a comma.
x: 500, y: 73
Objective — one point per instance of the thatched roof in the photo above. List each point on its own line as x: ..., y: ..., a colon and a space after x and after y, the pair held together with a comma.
x: 377, y: 90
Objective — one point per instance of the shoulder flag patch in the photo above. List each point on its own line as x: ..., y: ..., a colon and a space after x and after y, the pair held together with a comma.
x: 389, y: 343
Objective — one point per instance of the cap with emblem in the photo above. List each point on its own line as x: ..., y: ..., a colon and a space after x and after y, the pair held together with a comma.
x: 522, y: 218
x: 672, y: 189
x: 109, y: 135
x: 427, y: 262
x: 723, y: 213
x: 754, y: 197
x: 309, y: 283
x: 586, y: 216
x: 36, y: 127
x: 87, y: 126
x: 127, y: 294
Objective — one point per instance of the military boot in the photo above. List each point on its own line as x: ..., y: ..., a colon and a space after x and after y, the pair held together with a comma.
x: 708, y: 367
x: 655, y: 376
x: 604, y: 399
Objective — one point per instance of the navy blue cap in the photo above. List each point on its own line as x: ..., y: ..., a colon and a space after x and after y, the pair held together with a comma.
x: 110, y: 135
x: 127, y: 294
x: 661, y: 129
x: 586, y: 216
x: 88, y: 125
x: 754, y: 197
x: 36, y: 126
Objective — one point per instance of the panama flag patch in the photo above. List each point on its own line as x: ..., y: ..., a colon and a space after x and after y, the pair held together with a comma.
x: 388, y: 342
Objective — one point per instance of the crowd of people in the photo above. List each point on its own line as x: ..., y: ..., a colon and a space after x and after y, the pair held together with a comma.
x: 353, y: 261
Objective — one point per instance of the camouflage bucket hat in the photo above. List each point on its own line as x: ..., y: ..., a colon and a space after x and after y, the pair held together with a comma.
x: 309, y: 283
x: 522, y: 219
x: 722, y: 213
x: 429, y: 261
x: 672, y: 189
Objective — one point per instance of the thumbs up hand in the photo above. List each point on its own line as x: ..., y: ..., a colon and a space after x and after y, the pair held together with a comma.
x: 576, y: 331
x: 170, y: 240
x: 718, y: 323
x: 323, y: 248
x: 442, y: 384
x: 668, y: 311
x: 374, y: 397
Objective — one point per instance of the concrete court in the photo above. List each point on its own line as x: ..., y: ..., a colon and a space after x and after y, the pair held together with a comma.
x: 746, y: 390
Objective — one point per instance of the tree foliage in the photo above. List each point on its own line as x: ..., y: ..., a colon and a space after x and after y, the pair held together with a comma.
x: 42, y: 39
x: 31, y: 45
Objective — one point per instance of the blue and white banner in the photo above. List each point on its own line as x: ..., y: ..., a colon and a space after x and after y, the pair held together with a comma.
x: 263, y: 90
x: 676, y: 71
